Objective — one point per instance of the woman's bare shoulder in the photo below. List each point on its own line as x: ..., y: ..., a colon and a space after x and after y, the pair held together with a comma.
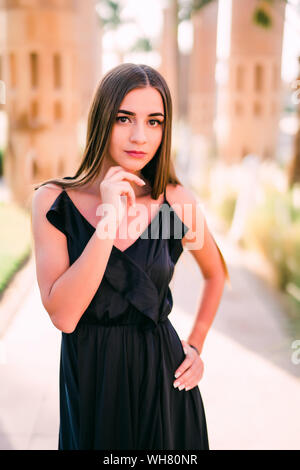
x: 44, y: 196
x: 187, y: 207
x: 48, y: 188
x: 180, y: 195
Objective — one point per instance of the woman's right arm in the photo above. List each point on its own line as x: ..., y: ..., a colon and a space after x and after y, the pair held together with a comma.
x: 66, y: 291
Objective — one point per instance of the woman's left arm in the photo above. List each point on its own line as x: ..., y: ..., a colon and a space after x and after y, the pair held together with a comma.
x: 209, y: 258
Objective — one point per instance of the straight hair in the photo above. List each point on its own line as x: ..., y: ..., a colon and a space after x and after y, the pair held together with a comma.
x: 109, y: 94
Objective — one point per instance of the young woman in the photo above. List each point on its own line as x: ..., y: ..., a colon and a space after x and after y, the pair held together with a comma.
x: 104, y: 277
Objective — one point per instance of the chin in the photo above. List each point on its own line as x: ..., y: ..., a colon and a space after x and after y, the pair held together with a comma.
x: 133, y: 165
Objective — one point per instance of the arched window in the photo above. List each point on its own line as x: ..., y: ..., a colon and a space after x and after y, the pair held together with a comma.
x: 57, y: 71
x: 13, y: 70
x: 57, y: 111
x: 258, y: 77
x: 257, y: 108
x: 240, y: 77
x: 35, y: 169
x: 34, y: 69
x: 34, y: 110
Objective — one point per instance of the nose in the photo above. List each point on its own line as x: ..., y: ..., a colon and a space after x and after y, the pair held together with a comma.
x: 138, y: 134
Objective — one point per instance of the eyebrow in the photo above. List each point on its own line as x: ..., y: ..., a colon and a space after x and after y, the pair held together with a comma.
x: 133, y: 114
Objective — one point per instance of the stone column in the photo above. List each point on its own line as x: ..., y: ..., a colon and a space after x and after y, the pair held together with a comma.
x: 49, y: 52
x: 169, y: 52
x: 201, y: 98
x: 250, y: 100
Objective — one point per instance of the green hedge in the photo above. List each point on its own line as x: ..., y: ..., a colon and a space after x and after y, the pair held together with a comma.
x: 274, y: 228
x: 15, y: 240
x: 225, y: 207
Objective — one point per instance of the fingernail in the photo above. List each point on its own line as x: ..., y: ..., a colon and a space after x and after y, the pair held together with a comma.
x: 181, y: 387
x: 176, y: 375
x: 175, y: 384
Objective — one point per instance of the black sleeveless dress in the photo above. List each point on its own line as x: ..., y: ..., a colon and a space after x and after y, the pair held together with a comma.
x: 117, y: 367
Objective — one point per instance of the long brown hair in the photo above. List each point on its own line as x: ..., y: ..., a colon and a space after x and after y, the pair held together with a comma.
x: 109, y: 94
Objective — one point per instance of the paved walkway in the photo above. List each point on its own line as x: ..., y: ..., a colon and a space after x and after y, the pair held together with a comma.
x: 250, y: 386
x: 5, y: 193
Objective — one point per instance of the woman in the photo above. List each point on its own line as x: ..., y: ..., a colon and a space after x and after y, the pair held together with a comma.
x: 108, y: 292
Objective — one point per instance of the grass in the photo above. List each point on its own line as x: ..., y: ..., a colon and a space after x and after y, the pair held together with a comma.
x: 273, y: 228
x: 15, y: 241
x: 225, y: 208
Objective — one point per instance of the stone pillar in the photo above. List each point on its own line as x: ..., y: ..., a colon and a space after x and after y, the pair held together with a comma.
x: 169, y: 52
x: 89, y: 37
x: 201, y: 93
x: 48, y: 55
x: 250, y: 100
x: 202, y: 71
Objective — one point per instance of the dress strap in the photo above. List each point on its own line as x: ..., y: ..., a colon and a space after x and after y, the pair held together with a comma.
x: 165, y: 196
x: 66, y: 178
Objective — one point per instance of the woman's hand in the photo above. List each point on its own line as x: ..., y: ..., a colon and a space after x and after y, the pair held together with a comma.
x: 190, y: 371
x: 117, y: 183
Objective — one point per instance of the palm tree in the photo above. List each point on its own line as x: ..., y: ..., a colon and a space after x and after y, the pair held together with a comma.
x: 110, y: 17
x: 109, y: 12
x: 262, y: 17
x: 262, y: 13
x: 183, y: 10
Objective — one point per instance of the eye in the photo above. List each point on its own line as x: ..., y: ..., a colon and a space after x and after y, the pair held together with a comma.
x: 156, y: 120
x: 121, y: 117
x: 150, y: 120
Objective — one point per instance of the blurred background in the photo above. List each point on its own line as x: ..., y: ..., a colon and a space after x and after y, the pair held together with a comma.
x: 233, y: 68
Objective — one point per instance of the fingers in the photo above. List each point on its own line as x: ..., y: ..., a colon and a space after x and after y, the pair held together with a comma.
x: 189, y: 359
x: 183, y: 366
x: 185, y: 378
x: 127, y: 189
x: 190, y: 371
x: 118, y: 171
x: 193, y: 380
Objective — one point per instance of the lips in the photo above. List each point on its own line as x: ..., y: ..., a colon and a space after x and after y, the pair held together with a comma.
x: 135, y: 152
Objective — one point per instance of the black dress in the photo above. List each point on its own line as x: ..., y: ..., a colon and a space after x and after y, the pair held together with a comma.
x: 117, y: 367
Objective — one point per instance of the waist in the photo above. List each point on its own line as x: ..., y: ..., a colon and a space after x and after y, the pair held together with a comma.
x: 130, y: 318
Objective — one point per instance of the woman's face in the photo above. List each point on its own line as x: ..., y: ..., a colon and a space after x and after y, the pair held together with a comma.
x: 138, y: 127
